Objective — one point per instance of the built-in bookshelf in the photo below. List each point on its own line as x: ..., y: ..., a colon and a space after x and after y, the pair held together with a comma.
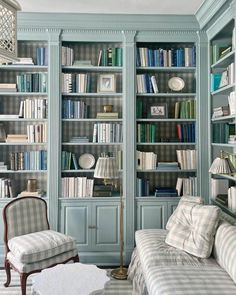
x: 223, y: 114
x: 165, y: 120
x: 92, y: 115
x: 24, y: 115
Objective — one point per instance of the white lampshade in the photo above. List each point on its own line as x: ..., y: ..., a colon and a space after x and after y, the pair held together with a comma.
x: 8, y: 30
x: 106, y: 168
x: 221, y: 166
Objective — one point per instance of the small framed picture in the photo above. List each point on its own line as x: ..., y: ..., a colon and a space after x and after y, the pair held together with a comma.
x: 157, y: 110
x: 106, y: 83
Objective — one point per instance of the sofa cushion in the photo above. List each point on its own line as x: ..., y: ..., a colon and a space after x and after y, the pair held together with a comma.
x: 183, y: 199
x: 189, y: 280
x: 194, y: 229
x: 225, y: 248
x: 39, y: 246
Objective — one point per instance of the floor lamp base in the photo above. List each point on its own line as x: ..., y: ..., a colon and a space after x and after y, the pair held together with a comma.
x: 119, y: 273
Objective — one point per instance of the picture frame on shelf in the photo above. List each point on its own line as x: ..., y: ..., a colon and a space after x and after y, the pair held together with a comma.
x: 157, y: 111
x: 106, y: 83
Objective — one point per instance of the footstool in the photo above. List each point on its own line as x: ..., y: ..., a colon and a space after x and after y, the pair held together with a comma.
x: 69, y: 279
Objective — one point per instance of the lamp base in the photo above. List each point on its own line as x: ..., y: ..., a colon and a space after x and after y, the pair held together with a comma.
x: 119, y: 273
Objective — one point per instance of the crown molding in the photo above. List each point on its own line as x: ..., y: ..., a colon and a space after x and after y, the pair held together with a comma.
x: 208, y: 9
x: 108, y: 22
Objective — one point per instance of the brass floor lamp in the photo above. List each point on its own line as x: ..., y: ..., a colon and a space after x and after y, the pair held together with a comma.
x: 106, y: 168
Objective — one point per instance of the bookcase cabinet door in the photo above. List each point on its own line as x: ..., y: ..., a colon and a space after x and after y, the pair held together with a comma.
x: 171, y: 207
x: 151, y: 214
x: 75, y: 222
x: 105, y: 218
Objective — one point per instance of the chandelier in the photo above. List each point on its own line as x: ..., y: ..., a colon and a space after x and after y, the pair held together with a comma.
x: 8, y: 30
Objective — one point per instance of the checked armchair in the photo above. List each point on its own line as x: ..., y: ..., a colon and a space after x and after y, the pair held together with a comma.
x: 30, y: 244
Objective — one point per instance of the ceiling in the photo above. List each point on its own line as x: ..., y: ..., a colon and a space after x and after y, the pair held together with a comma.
x: 112, y: 6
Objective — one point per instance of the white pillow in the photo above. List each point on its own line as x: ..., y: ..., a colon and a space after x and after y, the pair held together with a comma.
x: 190, y: 199
x: 225, y: 248
x: 193, y: 228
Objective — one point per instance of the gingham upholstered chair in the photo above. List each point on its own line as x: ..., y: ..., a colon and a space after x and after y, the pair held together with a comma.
x: 30, y: 244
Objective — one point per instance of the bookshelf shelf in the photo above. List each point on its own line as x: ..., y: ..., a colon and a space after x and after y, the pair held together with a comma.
x: 21, y: 120
x: 165, y: 143
x: 92, y: 69
x: 23, y: 68
x: 223, y: 90
x: 167, y: 69
x: 165, y: 120
x: 43, y: 94
x: 92, y: 120
x: 168, y: 94
x: 224, y: 61
x: 168, y: 170
x: 22, y: 143
x: 23, y: 171
x: 95, y: 94
x: 91, y: 143
x: 224, y: 118
x: 224, y: 208
x: 226, y: 145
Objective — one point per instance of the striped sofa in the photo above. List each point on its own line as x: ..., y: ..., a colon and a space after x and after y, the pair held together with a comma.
x: 159, y: 269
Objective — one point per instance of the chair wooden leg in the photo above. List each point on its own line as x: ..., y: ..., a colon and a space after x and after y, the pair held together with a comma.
x: 23, y: 279
x: 76, y: 258
x: 8, y: 273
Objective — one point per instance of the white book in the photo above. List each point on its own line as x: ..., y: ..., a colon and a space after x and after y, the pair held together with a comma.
x: 154, y: 84
x: 179, y: 185
x: 232, y: 198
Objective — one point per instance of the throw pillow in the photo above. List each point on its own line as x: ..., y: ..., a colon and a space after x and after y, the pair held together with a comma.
x: 190, y: 199
x: 225, y: 248
x: 194, y: 228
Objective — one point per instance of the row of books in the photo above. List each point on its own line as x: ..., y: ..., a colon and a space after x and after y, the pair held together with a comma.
x: 107, y: 132
x: 37, y: 133
x: 29, y: 160
x: 142, y: 187
x: 5, y: 188
x: 222, y: 46
x: 76, y: 83
x: 146, y: 83
x: 40, y: 60
x: 76, y: 187
x: 32, y: 82
x: 185, y: 109
x: 110, y: 57
x: 67, y: 56
x: 221, y: 132
x: 33, y: 108
x: 166, y: 57
x: 69, y: 161
x: 186, y: 159
x: 146, y: 160
x: 146, y: 132
x: 186, y: 186
x: 186, y: 132
x: 72, y: 109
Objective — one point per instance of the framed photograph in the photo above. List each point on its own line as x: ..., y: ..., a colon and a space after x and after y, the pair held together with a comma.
x: 157, y: 110
x: 106, y: 83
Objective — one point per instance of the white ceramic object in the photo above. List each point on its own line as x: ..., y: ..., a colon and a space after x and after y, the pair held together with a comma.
x: 176, y: 83
x: 86, y: 161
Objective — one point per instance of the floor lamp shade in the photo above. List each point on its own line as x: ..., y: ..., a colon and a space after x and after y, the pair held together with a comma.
x: 8, y: 30
x: 106, y: 168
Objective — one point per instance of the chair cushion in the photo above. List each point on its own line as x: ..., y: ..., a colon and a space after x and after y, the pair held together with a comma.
x: 190, y: 199
x: 194, y: 229
x: 225, y: 248
x: 40, y: 245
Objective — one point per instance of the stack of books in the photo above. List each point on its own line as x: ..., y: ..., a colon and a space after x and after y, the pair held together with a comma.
x: 23, y: 61
x: 168, y: 166
x: 107, y: 115
x: 8, y: 87
x: 165, y: 192
x: 220, y: 111
x: 79, y: 139
x: 3, y: 166
x: 102, y: 190
x: 222, y: 199
x: 17, y: 138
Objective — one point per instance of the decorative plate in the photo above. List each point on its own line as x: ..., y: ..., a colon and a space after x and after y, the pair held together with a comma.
x: 176, y: 83
x: 86, y: 161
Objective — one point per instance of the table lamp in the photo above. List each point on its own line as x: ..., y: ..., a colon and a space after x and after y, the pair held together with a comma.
x: 107, y: 169
x: 222, y: 164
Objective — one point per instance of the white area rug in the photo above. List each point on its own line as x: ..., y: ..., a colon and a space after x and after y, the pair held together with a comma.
x: 113, y: 287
